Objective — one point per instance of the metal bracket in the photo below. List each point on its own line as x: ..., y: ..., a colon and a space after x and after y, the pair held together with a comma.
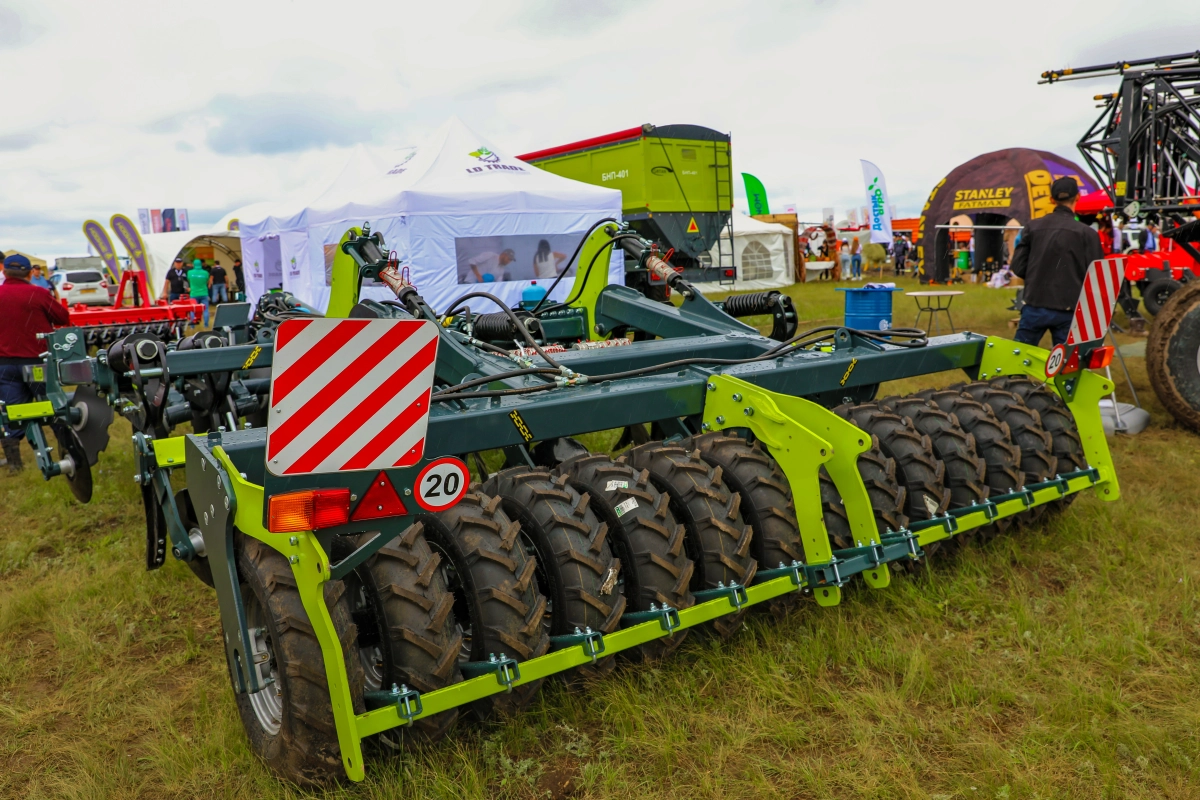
x: 735, y: 592
x: 795, y: 572
x: 592, y: 642
x: 407, y: 701
x: 506, y: 670
x: 667, y: 617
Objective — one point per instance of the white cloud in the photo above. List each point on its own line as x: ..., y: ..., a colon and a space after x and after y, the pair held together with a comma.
x: 109, y: 107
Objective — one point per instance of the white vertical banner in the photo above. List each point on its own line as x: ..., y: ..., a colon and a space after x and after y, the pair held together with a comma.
x: 880, y: 214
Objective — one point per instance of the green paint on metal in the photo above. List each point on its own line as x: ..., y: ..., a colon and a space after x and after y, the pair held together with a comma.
x: 310, y: 565
x: 1006, y: 357
x: 344, y: 283
x: 802, y: 436
x: 169, y: 453
x: 558, y: 661
x: 42, y: 409
x: 588, y: 285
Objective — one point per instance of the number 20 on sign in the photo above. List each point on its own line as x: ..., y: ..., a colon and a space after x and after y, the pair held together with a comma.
x: 441, y: 484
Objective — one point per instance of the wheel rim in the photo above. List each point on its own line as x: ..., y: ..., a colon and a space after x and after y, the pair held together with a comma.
x: 267, y: 703
x: 542, y: 580
x: 461, y: 608
x: 370, y: 633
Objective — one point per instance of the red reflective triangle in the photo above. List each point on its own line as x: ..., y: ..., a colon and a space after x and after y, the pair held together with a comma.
x: 1072, y: 364
x: 380, y: 501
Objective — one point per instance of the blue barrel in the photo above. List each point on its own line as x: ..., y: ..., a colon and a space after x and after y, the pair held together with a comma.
x: 869, y: 309
x: 531, y: 295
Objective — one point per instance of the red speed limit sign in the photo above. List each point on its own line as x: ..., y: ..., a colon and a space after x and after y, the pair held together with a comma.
x: 1054, y: 363
x: 441, y: 484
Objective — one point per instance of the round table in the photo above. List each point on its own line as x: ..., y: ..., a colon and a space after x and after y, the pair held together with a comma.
x: 934, y: 303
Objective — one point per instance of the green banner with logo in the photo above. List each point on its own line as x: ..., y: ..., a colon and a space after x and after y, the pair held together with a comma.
x: 756, y: 195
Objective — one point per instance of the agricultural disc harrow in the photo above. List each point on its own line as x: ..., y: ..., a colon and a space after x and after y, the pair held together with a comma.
x: 370, y: 587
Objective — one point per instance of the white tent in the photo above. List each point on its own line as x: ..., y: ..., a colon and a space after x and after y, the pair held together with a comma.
x: 762, y: 254
x: 162, y: 248
x: 461, y: 213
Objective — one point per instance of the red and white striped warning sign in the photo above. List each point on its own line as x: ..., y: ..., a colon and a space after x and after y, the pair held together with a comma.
x: 349, y: 394
x: 1097, y: 301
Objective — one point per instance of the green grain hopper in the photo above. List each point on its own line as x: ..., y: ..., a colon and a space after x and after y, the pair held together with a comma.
x: 676, y: 188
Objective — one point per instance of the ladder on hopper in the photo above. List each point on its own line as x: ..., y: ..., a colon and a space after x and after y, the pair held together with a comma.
x: 723, y: 170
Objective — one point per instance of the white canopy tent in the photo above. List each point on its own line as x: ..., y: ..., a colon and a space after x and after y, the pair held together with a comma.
x: 462, y: 214
x: 762, y: 254
x: 162, y: 248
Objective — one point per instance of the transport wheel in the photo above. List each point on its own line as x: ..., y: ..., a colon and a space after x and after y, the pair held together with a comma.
x: 1066, y: 444
x: 497, y: 603
x: 917, y: 466
x: 766, y: 501
x: 1173, y: 356
x: 954, y: 447
x: 576, y: 569
x: 1158, y: 293
x: 643, y: 534
x: 1002, y: 458
x: 887, y: 498
x: 290, y: 722
x: 407, y: 633
x: 716, y: 537
x: 1025, y: 427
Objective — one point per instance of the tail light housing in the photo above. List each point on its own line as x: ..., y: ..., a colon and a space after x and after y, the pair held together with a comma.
x: 308, y: 510
x: 1100, y: 358
x: 103, y: 284
x: 68, y: 286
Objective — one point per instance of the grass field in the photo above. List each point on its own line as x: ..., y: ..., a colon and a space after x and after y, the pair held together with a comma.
x: 1060, y: 661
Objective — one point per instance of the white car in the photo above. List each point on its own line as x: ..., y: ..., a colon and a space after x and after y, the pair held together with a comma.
x: 82, y: 286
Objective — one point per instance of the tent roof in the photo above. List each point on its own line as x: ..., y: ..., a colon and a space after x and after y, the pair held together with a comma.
x: 746, y: 224
x: 455, y: 171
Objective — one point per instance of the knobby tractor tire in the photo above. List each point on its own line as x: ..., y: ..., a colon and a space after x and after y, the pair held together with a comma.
x: 1066, y: 444
x: 642, y: 533
x: 576, y: 569
x: 407, y: 633
x: 1172, y: 360
x: 887, y: 499
x: 497, y: 602
x: 953, y: 447
x: 917, y: 468
x: 1025, y: 427
x: 766, y: 500
x: 1158, y: 294
x: 1001, y: 457
x: 290, y: 722
x: 716, y: 537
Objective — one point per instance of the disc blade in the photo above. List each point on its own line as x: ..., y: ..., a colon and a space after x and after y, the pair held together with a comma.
x: 80, y: 480
x: 97, y: 417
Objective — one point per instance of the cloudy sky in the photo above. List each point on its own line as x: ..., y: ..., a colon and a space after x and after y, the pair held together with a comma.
x: 209, y: 106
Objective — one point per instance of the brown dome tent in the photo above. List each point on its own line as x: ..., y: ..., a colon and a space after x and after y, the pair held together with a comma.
x: 991, y: 189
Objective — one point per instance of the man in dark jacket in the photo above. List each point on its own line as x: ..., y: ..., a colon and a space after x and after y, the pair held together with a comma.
x: 25, y: 311
x: 1053, y: 256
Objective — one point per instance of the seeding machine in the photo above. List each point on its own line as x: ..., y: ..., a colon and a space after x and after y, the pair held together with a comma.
x: 371, y: 588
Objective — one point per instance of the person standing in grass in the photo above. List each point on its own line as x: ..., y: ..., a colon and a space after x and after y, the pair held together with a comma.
x: 855, y: 258
x: 25, y: 311
x: 1053, y: 256
x: 199, y: 285
x: 220, y: 284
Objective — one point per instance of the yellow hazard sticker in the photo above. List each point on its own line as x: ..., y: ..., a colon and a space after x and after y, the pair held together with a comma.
x: 692, y: 226
x: 252, y: 357
x: 39, y: 374
x: 849, y: 369
x: 521, y: 427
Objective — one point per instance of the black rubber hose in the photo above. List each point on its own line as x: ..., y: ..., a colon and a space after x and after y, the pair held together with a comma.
x: 525, y: 334
x: 571, y: 260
